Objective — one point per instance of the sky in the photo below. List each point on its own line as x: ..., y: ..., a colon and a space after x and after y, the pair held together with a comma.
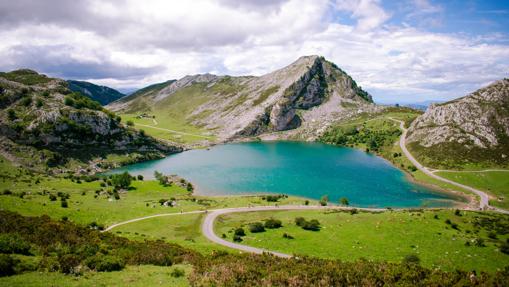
x: 399, y: 51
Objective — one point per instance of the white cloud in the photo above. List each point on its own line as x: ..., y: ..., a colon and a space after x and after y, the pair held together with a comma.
x: 132, y: 45
x: 369, y: 13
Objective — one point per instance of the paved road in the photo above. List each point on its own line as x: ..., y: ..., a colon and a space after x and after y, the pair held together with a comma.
x: 484, y: 198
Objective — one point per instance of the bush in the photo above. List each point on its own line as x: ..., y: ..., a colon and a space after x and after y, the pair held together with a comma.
x: 324, y: 200
x: 312, y: 225
x: 105, y: 263
x: 177, y: 272
x: 140, y: 177
x: 7, y: 192
x: 287, y: 236
x: 7, y: 265
x: 240, y: 232
x: 299, y: 221
x: 256, y: 227
x: 272, y: 223
x: 237, y: 238
x: 479, y: 242
x: 130, y: 123
x: 504, y: 248
x: 411, y: 259
x: 189, y: 187
x: 11, y: 114
x: 344, y: 201
x: 492, y: 235
x: 68, y: 263
x: 12, y: 243
x: 64, y: 203
x: 52, y: 197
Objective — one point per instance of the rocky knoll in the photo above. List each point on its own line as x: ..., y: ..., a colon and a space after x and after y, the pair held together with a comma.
x: 296, y: 101
x: 474, y: 128
x: 43, y: 123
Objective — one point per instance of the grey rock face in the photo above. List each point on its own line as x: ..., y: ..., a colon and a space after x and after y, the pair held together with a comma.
x: 480, y: 119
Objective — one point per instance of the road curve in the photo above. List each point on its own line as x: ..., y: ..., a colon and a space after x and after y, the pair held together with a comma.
x: 484, y: 198
x: 150, y: 216
x: 208, y: 224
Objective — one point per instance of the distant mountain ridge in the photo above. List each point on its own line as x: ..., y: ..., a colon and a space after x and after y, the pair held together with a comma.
x: 471, y: 129
x: 102, y: 94
x: 296, y: 101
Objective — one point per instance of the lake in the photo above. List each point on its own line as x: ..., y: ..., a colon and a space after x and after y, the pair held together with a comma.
x: 296, y: 168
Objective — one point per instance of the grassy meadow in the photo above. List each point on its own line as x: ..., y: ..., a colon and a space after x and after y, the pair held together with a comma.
x: 383, y: 236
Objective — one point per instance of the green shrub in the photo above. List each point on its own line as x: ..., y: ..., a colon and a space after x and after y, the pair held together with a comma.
x: 411, y: 259
x: 287, y: 236
x: 64, y: 203
x: 324, y: 200
x: 256, y: 227
x: 105, y: 263
x: 240, y: 232
x: 7, y: 265
x: 68, y: 263
x: 312, y: 225
x: 12, y: 243
x: 177, y: 272
x: 272, y: 223
x: 11, y: 114
x: 237, y: 238
x: 504, y: 248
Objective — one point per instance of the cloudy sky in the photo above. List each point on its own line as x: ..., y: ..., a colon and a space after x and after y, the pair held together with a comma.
x: 399, y: 51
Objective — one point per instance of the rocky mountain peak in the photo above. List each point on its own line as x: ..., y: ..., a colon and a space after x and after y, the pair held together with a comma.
x: 472, y: 126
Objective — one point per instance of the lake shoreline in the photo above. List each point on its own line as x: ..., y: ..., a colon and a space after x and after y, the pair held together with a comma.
x: 350, y: 164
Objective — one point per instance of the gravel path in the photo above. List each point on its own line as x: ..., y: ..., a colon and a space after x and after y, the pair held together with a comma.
x: 484, y: 198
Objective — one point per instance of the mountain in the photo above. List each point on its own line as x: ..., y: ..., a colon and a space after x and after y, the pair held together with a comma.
x: 471, y: 129
x: 44, y: 124
x: 103, y: 95
x: 297, y: 101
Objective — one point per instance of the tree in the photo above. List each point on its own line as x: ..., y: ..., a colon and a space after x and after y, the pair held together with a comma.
x: 140, y: 177
x: 190, y: 187
x: 344, y: 201
x: 122, y: 180
x: 324, y: 200
x: 130, y: 123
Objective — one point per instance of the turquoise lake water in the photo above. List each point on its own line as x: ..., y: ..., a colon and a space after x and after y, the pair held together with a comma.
x: 295, y: 168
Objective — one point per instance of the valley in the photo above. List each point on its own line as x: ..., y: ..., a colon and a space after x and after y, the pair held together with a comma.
x: 304, y: 139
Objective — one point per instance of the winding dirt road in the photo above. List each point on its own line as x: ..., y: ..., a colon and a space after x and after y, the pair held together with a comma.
x: 207, y: 226
x: 484, y: 198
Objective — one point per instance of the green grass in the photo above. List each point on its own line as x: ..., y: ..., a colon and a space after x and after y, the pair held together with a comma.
x: 184, y: 230
x: 165, y: 121
x: 142, y: 276
x: 25, y: 77
x: 494, y: 182
x: 383, y: 236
